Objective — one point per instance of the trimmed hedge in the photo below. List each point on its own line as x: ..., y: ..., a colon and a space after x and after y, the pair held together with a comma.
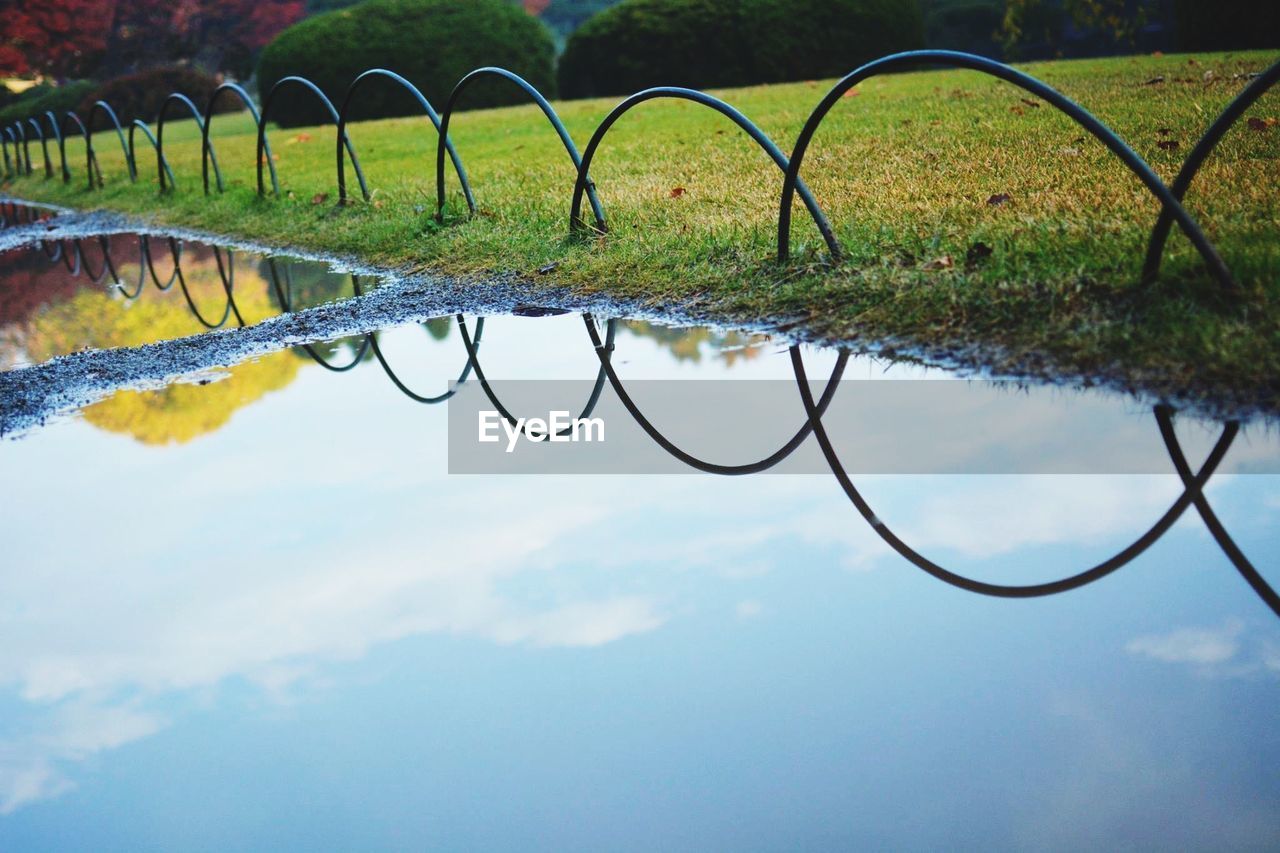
x: 38, y: 99
x: 717, y: 43
x: 433, y: 43
x: 141, y: 95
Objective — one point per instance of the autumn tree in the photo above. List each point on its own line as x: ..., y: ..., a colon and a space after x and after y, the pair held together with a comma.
x: 70, y: 38
x: 56, y: 38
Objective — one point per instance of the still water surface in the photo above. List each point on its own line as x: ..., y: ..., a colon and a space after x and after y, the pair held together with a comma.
x: 257, y: 613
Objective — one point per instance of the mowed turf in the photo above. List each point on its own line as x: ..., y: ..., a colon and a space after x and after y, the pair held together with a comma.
x: 975, y: 219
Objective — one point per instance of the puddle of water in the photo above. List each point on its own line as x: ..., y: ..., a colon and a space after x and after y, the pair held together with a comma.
x: 254, y: 606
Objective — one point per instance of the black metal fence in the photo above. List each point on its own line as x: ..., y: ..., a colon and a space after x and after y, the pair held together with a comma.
x: 49, y: 127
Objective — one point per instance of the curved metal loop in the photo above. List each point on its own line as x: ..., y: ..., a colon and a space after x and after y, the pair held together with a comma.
x: 1191, y: 166
x: 703, y: 99
x: 1082, y: 117
x: 371, y: 341
x: 1088, y: 576
x: 427, y: 108
x: 44, y: 146
x: 547, y: 110
x: 175, y: 252
x: 593, y: 398
x: 828, y: 393
x: 161, y: 162
x: 91, y: 162
x: 206, y: 147
x: 7, y: 135
x: 345, y: 140
x: 108, y: 266
x: 105, y: 108
x: 285, y: 295
x: 56, y: 129
x: 1192, y: 485
x: 206, y: 143
x: 21, y: 149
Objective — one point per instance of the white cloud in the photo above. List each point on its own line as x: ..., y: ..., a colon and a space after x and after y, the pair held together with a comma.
x: 1202, y: 646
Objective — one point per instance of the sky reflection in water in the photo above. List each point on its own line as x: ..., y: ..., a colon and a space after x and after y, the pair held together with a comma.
x: 273, y: 621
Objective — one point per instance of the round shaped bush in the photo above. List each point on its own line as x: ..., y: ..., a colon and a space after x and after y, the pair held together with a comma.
x: 432, y: 43
x: 710, y: 43
x: 141, y: 95
x: 36, y: 100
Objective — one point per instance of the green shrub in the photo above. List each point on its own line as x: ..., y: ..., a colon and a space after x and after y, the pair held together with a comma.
x: 433, y: 43
x: 1227, y: 24
x: 711, y: 43
x: 39, y: 99
x: 970, y: 25
x: 141, y: 95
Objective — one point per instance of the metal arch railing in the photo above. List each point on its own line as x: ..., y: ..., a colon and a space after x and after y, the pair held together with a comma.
x: 56, y: 130
x: 161, y: 162
x: 105, y: 108
x: 205, y: 143
x: 44, y: 146
x: 744, y: 123
x: 206, y: 147
x: 21, y: 149
x: 547, y: 110
x: 1193, y: 482
x: 1169, y: 197
x: 90, y: 161
x: 263, y: 150
x: 1077, y: 113
x: 426, y: 107
x: 1229, y: 116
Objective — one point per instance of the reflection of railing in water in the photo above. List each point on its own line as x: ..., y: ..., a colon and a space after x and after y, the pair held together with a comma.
x: 75, y: 262
x: 1169, y: 197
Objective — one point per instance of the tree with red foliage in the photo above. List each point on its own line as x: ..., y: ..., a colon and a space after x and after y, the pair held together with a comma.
x: 58, y: 38
x: 65, y: 38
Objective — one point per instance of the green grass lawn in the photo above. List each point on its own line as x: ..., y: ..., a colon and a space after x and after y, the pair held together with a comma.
x: 1047, y: 280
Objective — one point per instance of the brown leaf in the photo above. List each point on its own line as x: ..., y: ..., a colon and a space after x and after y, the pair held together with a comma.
x: 1035, y: 105
x: 852, y: 93
x: 1168, y: 144
x: 977, y: 253
x: 999, y: 199
x: 1258, y: 125
x: 1164, y: 131
x: 301, y: 137
x: 942, y: 263
x: 676, y: 192
x: 319, y: 198
x: 1018, y: 111
x: 1154, y: 81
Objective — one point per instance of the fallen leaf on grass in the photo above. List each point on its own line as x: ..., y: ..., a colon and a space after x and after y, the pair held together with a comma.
x: 1154, y: 81
x: 676, y: 192
x: 942, y: 263
x: 1168, y: 144
x: 548, y: 268
x: 999, y: 199
x: 1258, y: 125
x: 977, y: 253
x: 319, y: 198
x: 301, y: 137
x: 1033, y: 104
x: 852, y: 93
